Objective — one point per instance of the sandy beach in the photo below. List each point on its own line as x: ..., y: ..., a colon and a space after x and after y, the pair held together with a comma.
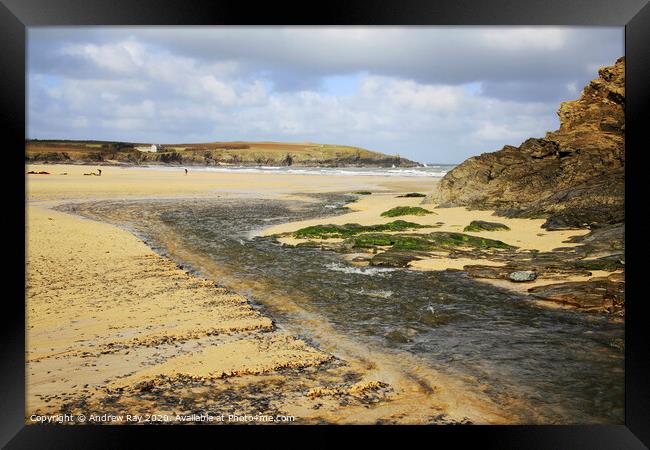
x: 106, y: 314
x: 168, y: 182
x: 113, y: 326
x: 313, y: 226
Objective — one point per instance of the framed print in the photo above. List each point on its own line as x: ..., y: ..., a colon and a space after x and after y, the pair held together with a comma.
x: 369, y: 218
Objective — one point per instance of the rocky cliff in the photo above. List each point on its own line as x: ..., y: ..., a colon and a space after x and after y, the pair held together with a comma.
x: 574, y: 176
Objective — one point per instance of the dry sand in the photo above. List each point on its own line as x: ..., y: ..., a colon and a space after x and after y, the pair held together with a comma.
x: 134, y: 182
x: 102, y: 306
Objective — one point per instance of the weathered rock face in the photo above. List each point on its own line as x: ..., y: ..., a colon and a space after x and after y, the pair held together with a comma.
x: 574, y: 176
x: 594, y: 295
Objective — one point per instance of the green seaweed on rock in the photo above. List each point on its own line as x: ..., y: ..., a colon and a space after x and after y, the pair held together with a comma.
x: 450, y: 239
x: 412, y: 195
x: 352, y: 229
x: 426, y: 242
x: 399, y: 242
x: 406, y: 211
x: 480, y: 225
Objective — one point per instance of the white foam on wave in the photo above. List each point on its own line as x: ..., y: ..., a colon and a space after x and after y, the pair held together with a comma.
x: 385, y: 294
x: 429, y: 171
x: 359, y: 270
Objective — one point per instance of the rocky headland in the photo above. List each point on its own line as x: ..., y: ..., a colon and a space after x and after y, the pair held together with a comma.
x: 209, y: 154
x: 574, y: 178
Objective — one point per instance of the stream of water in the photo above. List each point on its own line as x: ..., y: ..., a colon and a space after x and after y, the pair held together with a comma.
x: 565, y: 366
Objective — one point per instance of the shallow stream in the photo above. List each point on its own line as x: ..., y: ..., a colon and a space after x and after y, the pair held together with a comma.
x: 557, y: 366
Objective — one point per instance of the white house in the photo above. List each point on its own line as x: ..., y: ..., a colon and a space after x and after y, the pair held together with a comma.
x: 150, y: 149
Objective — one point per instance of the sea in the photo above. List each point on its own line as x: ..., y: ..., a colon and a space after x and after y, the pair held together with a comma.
x: 429, y: 170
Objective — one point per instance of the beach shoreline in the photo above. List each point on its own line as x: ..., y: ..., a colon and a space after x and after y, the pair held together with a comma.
x: 218, y: 341
x: 74, y: 308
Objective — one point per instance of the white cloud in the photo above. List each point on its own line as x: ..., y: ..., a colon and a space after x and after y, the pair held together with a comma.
x: 409, y: 94
x: 417, y: 96
x: 124, y: 58
x: 385, y: 113
x: 220, y: 92
x: 490, y: 131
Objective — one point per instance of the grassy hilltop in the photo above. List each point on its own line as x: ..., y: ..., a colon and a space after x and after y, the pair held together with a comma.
x: 209, y: 154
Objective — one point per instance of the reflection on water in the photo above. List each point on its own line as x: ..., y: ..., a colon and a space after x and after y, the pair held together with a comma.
x: 565, y: 366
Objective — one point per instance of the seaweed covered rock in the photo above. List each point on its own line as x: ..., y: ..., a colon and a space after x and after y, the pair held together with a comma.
x: 396, y: 258
x: 481, y: 225
x: 406, y: 211
x: 451, y: 239
x: 352, y: 229
x: 396, y: 241
x: 424, y: 242
x: 411, y: 195
x: 573, y: 177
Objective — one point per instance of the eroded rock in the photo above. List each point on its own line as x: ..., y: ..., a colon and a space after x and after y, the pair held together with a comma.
x: 592, y: 295
x: 574, y: 176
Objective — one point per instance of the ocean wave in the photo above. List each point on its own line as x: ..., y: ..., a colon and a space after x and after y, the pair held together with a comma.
x: 435, y: 171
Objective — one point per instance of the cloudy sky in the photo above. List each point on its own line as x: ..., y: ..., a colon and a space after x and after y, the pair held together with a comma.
x: 432, y: 94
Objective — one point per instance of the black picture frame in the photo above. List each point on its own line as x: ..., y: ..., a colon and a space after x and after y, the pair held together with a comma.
x: 16, y: 15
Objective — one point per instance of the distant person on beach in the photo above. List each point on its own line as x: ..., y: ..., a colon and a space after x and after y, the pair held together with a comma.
x: 100, y: 172
x: 185, y: 171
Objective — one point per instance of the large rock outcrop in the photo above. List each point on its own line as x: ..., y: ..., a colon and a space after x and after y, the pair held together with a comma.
x: 574, y: 176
